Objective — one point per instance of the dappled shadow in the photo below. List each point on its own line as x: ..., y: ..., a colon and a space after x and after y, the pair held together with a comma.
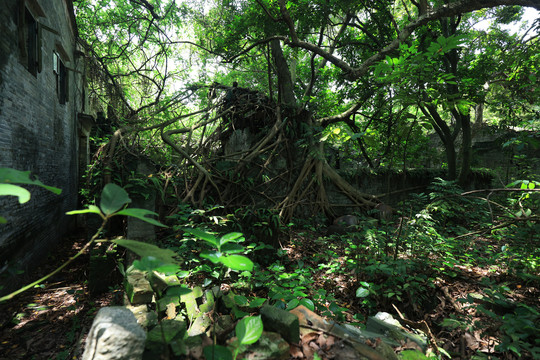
x: 52, y: 321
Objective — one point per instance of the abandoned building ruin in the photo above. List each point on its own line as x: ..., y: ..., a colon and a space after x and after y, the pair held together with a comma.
x: 45, y: 121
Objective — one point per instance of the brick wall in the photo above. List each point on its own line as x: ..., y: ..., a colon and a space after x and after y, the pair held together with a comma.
x: 38, y: 132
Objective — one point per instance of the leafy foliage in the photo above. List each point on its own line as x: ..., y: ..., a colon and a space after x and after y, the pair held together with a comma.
x: 9, y: 177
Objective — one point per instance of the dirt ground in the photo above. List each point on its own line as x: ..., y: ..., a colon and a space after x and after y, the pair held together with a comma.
x: 51, y: 321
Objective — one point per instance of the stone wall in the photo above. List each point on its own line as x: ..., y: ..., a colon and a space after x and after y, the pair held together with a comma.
x: 41, y: 96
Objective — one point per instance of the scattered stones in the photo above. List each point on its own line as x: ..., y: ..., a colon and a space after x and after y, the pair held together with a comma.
x: 299, y: 331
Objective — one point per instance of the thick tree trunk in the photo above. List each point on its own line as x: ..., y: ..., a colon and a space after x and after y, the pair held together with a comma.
x: 285, y: 84
x: 443, y: 130
x: 479, y: 115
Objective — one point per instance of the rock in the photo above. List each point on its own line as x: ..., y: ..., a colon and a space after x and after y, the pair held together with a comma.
x: 282, y: 322
x: 145, y: 318
x: 137, y: 288
x: 270, y: 346
x: 115, y: 335
x: 160, y: 282
x: 355, y: 337
x: 384, y: 323
x: 190, y: 302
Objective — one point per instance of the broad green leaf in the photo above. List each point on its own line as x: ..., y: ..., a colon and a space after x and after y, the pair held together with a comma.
x: 8, y: 175
x: 178, y: 291
x: 113, y: 198
x: 212, y: 255
x: 230, y: 237
x: 237, y: 262
x: 249, y: 330
x: 217, y: 352
x: 293, y: 304
x: 168, y: 269
x: 362, y: 292
x: 3, y: 220
x: 412, y: 355
x: 144, y: 249
x: 14, y: 190
x: 240, y: 300
x: 182, y: 274
x: 148, y: 263
x: 232, y: 248
x: 91, y: 209
x: 203, y: 235
x: 141, y: 214
x: 257, y: 302
x: 308, y: 303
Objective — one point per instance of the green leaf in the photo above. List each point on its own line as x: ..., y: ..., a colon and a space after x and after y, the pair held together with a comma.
x: 230, y: 237
x: 308, y: 303
x: 257, y: 302
x: 217, y: 352
x: 91, y: 209
x: 14, y: 190
x: 412, y: 355
x: 168, y: 269
x: 144, y: 249
x: 362, y: 292
x: 8, y: 175
x: 178, y: 291
x: 249, y: 330
x: 203, y: 235
x: 237, y: 262
x: 232, y: 248
x: 293, y: 304
x: 240, y: 300
x: 3, y: 220
x: 113, y: 198
x: 141, y: 215
x: 147, y: 263
x: 212, y: 255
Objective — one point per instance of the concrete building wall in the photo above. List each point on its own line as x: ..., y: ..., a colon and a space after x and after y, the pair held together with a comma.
x: 39, y: 128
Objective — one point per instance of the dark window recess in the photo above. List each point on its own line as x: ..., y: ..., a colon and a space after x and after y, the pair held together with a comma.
x: 31, y: 53
x: 61, y: 74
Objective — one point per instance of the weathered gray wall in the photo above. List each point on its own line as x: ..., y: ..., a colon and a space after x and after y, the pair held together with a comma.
x: 37, y: 133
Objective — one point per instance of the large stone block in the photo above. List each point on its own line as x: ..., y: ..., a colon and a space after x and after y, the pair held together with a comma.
x: 115, y: 335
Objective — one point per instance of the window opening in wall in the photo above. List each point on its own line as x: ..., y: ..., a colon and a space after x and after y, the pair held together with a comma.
x: 31, y: 43
x: 60, y: 72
